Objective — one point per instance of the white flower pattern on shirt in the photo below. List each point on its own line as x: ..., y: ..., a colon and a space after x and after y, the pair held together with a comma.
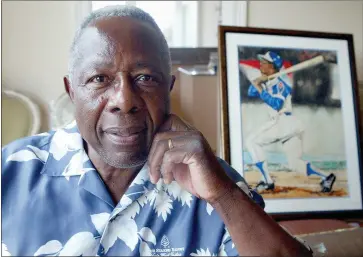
x: 54, y: 171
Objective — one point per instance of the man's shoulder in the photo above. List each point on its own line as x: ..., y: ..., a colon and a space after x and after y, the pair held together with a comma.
x: 241, y: 182
x: 231, y: 172
x: 26, y: 149
x: 39, y: 141
x: 67, y: 136
x: 284, y: 81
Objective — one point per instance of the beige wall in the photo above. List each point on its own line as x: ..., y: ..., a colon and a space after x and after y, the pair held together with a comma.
x: 35, y: 41
x: 329, y: 16
x: 36, y: 37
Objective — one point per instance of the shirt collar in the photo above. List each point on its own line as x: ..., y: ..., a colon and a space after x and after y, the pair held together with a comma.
x: 67, y: 156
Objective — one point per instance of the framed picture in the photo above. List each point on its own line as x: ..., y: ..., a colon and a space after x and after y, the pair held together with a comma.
x: 290, y: 119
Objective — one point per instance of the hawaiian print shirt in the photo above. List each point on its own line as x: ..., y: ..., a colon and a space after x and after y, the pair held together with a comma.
x: 54, y: 203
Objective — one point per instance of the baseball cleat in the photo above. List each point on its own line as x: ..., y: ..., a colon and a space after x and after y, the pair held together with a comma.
x: 261, y: 186
x: 327, y: 183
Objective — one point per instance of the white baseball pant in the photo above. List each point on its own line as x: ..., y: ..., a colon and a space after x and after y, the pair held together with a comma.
x: 286, y: 129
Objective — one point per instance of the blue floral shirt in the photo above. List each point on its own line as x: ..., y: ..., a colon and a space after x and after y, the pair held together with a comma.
x: 55, y: 203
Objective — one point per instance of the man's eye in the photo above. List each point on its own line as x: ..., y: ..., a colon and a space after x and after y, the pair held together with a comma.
x: 146, y: 78
x: 146, y: 81
x: 100, y: 79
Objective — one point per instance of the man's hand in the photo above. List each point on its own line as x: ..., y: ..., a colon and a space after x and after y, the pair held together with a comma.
x: 257, y: 82
x: 180, y: 152
x: 261, y: 79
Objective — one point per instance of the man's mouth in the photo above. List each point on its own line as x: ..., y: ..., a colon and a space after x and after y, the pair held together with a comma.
x: 125, y: 135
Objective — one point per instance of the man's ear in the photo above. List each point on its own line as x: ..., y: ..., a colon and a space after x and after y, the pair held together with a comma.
x: 172, y: 82
x: 68, y: 87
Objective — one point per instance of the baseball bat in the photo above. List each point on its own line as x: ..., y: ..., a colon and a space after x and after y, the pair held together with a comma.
x: 300, y: 66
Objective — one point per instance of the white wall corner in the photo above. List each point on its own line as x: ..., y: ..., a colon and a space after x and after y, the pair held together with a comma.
x: 198, y: 38
x: 234, y: 13
x: 241, y: 13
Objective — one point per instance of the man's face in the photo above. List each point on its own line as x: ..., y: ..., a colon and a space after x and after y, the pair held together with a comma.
x: 120, y: 88
x: 267, y: 68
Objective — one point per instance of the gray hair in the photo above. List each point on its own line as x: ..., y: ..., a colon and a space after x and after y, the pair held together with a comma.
x: 118, y: 11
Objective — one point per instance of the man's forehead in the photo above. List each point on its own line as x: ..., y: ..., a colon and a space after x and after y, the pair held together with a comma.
x: 121, y: 28
x: 113, y: 33
x: 106, y: 42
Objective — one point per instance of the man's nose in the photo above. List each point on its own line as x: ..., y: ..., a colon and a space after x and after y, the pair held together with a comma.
x: 124, y: 98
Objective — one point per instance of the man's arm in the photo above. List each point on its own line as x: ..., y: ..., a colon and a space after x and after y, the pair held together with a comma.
x: 180, y: 152
x: 249, y: 225
x: 252, y: 91
x: 276, y: 101
x: 257, y: 83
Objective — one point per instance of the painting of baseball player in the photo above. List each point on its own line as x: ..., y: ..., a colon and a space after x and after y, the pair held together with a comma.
x: 283, y: 127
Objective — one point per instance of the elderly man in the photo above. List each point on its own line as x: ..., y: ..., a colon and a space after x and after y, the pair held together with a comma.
x: 127, y: 177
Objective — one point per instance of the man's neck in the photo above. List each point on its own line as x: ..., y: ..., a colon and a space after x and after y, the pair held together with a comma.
x: 117, y: 180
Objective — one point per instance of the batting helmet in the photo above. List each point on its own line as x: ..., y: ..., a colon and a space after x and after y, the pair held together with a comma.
x: 273, y: 58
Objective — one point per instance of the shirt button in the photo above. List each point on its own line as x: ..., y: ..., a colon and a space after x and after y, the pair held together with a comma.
x: 101, y: 251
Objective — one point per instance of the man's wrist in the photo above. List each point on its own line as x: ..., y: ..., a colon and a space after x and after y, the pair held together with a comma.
x: 231, y: 204
x: 227, y: 196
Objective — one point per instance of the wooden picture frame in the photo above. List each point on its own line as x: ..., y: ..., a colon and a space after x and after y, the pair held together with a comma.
x: 305, y: 133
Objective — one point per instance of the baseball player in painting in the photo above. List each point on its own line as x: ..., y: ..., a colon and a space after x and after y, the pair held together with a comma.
x: 283, y: 126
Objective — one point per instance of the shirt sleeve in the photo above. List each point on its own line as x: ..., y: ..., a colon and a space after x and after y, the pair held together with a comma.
x: 227, y: 247
x: 241, y: 182
x: 276, y: 101
x: 252, y: 91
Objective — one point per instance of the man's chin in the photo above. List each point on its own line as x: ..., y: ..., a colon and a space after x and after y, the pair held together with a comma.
x: 134, y: 165
x: 125, y: 160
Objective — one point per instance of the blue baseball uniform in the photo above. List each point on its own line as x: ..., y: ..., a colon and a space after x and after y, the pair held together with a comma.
x: 277, y: 94
x: 282, y: 127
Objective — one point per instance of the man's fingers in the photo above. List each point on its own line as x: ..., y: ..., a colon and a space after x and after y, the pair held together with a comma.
x: 156, y: 155
x: 161, y: 148
x: 166, y: 173
x: 173, y: 157
x: 155, y: 159
x: 176, y: 130
x: 169, y: 135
